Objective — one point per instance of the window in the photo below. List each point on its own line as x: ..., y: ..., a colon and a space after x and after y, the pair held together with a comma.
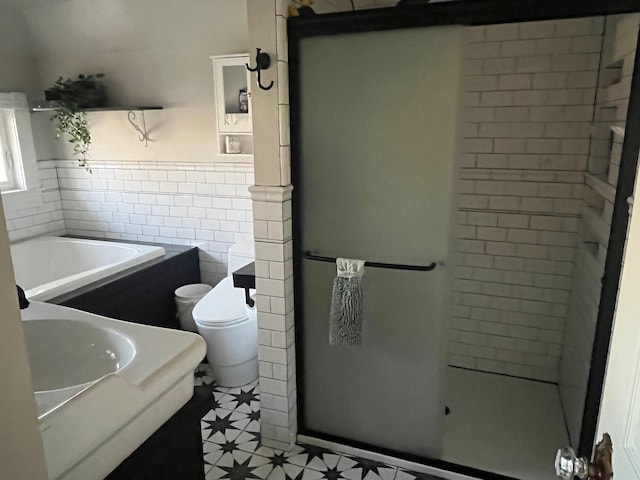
x: 8, y: 150
x: 18, y: 174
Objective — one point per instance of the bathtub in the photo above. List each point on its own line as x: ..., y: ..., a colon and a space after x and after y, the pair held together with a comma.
x: 103, y: 386
x: 47, y: 267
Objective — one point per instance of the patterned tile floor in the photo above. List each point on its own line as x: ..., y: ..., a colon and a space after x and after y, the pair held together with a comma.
x: 233, y: 451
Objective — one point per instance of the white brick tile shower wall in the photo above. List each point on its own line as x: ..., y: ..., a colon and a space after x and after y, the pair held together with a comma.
x: 203, y: 205
x: 44, y: 219
x: 529, y: 95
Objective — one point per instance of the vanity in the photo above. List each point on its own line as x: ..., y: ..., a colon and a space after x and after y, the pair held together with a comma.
x: 104, y: 386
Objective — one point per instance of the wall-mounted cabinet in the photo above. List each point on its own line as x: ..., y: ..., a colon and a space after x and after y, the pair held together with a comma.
x: 233, y: 108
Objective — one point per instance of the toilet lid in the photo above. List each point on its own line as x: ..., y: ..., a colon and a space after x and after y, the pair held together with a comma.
x: 224, y: 304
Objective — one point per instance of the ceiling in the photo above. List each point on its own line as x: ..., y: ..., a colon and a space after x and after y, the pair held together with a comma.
x: 20, y: 4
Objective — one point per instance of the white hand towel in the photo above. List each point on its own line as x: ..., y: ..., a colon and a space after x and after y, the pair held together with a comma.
x: 345, y: 316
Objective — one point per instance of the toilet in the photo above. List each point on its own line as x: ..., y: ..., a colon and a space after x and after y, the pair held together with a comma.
x: 229, y: 327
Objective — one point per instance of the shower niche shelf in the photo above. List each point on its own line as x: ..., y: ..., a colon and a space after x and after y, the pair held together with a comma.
x: 232, y: 87
x: 597, y: 225
x: 599, y: 196
x: 600, y: 185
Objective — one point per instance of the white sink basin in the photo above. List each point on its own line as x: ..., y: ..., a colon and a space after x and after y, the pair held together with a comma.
x: 103, y: 386
x: 67, y: 353
x: 66, y: 356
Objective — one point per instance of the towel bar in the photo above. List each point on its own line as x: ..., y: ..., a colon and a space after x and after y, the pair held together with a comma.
x: 396, y: 266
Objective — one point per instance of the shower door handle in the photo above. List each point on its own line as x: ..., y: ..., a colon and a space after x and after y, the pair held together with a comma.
x: 569, y: 466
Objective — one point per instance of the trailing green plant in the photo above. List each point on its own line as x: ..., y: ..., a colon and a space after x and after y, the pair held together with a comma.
x: 71, y: 97
x: 73, y: 123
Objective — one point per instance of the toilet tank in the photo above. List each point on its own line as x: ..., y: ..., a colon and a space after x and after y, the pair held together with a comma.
x: 240, y: 254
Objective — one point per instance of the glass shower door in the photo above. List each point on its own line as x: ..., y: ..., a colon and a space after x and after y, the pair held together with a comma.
x: 374, y: 182
x: 388, y: 391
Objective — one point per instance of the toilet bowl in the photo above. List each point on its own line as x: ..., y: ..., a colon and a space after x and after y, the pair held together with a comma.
x: 229, y: 327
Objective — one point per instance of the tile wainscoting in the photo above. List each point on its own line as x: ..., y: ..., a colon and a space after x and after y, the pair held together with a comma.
x: 196, y: 204
x: 44, y: 219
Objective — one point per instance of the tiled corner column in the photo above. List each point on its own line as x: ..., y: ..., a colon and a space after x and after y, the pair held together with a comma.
x: 276, y: 335
x: 272, y: 227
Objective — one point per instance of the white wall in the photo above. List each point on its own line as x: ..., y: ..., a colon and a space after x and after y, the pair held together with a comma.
x: 152, y: 52
x: 16, y: 52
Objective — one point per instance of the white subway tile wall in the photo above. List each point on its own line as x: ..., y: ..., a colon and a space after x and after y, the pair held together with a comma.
x: 45, y: 219
x: 529, y: 91
x: 203, y: 205
x: 614, y: 87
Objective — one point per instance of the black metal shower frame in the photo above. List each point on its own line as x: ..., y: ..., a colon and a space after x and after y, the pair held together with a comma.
x: 470, y: 13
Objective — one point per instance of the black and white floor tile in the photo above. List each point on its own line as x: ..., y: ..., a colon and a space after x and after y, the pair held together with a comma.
x: 203, y: 375
x: 233, y: 450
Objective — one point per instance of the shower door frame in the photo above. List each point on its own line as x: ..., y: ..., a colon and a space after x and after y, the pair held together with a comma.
x: 473, y: 13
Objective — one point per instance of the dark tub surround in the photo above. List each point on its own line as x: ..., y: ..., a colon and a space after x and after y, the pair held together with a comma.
x: 142, y: 294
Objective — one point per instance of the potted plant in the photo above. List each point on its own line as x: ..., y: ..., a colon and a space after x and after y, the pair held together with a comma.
x: 71, y: 97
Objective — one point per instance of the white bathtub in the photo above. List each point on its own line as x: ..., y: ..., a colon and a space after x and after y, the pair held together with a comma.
x: 103, y: 386
x: 46, y: 267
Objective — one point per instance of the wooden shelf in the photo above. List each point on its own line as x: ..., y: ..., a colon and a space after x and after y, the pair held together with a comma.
x: 234, y: 157
x: 50, y: 106
x: 143, y: 135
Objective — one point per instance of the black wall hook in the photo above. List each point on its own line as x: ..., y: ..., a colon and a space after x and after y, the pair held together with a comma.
x: 263, y: 62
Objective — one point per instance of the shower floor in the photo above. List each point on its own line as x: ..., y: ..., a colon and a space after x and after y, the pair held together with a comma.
x: 501, y: 424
